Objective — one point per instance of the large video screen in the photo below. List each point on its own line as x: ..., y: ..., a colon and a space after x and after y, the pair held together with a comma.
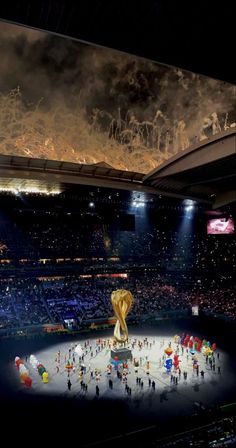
x: 220, y: 226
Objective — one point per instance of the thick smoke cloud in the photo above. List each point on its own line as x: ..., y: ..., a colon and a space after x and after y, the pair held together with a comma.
x: 60, y: 99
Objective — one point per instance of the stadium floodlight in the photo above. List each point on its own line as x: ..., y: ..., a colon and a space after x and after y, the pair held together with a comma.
x: 189, y: 205
x: 138, y: 204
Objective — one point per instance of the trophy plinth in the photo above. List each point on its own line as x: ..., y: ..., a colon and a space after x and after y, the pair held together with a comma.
x: 121, y: 354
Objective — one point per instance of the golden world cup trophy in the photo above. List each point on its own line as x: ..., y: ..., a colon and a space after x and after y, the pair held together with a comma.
x: 122, y: 301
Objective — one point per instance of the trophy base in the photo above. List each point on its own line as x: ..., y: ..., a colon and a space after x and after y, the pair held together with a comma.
x: 122, y: 354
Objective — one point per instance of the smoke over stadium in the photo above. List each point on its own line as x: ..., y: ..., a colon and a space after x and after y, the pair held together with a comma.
x: 66, y: 100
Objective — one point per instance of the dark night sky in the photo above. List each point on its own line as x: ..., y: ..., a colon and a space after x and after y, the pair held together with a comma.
x: 62, y: 99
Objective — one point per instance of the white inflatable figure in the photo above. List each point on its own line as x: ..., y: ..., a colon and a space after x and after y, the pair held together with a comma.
x: 33, y: 361
x: 79, y: 350
x: 35, y: 365
x: 22, y: 369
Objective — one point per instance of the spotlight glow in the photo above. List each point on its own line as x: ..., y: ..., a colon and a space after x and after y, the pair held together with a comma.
x: 138, y: 204
x: 189, y: 205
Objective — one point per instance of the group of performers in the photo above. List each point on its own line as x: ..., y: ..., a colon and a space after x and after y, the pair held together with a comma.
x: 82, y: 362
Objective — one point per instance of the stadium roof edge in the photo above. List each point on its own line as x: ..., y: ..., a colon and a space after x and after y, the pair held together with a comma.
x: 61, y: 173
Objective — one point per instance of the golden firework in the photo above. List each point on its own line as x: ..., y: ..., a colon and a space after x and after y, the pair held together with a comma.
x: 121, y: 300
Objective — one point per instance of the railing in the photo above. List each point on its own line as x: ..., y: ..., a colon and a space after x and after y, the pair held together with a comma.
x: 88, y: 324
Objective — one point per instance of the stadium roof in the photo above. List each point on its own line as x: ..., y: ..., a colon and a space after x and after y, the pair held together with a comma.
x: 205, y: 172
x: 25, y: 172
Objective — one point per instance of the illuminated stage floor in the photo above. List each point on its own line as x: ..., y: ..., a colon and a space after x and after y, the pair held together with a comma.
x: 167, y: 400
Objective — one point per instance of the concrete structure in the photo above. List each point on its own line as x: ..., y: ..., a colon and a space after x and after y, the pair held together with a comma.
x: 206, y: 171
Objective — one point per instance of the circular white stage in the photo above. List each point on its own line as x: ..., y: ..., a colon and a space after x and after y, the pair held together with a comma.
x: 168, y: 397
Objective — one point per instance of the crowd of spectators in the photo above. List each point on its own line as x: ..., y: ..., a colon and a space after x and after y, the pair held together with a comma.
x: 169, y: 266
x: 60, y: 242
x: 39, y: 301
x: 22, y: 303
